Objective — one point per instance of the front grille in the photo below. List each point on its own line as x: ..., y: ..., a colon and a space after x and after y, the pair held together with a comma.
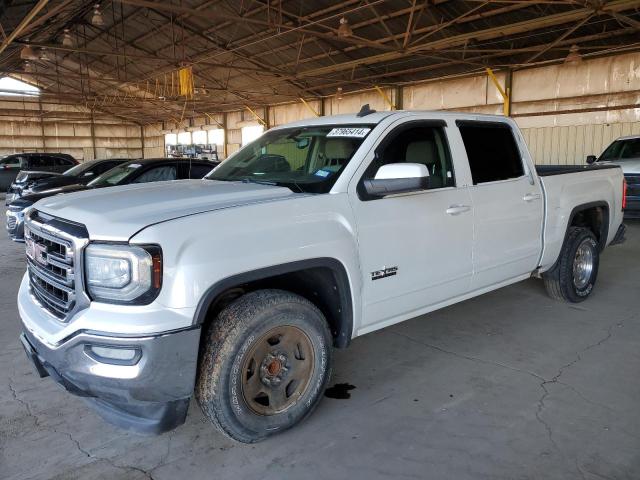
x: 52, y: 277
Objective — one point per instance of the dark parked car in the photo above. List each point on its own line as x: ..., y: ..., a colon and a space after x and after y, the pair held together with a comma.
x: 28, y: 181
x: 136, y: 171
x: 13, y: 164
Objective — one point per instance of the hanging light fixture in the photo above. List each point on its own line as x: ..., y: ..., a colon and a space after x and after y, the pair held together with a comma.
x: 574, y: 55
x: 28, y: 67
x: 43, y: 55
x: 339, y: 93
x: 27, y: 53
x: 97, y: 19
x: 67, y: 40
x: 344, y: 30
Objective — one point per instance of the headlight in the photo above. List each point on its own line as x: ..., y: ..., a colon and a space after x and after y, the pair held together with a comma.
x: 123, y: 273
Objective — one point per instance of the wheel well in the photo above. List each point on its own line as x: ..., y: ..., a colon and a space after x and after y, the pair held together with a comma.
x: 326, y: 286
x: 593, y: 217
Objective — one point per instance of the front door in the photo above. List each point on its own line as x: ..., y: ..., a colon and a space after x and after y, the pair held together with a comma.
x: 415, y: 249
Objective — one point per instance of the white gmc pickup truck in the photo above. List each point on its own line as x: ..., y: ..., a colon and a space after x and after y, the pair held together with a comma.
x: 236, y: 287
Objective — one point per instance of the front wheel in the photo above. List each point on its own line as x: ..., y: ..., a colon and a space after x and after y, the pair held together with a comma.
x: 574, y: 275
x: 265, y: 364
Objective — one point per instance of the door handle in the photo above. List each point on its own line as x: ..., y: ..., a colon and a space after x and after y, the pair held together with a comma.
x: 530, y: 197
x: 457, y: 209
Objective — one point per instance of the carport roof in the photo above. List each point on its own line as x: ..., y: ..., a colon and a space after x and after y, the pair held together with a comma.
x: 260, y: 52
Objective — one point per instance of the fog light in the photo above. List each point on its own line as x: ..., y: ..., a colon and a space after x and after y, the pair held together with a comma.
x: 114, y: 354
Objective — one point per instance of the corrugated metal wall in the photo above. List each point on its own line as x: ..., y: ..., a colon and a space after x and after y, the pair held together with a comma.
x: 566, y: 111
x: 570, y: 145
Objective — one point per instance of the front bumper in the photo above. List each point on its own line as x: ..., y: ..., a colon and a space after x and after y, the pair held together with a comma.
x: 150, y: 394
x: 15, y: 225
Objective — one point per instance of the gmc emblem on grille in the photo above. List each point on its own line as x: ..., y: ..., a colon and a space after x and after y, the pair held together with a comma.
x: 40, y: 254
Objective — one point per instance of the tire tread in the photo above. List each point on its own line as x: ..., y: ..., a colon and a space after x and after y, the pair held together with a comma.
x: 223, y: 334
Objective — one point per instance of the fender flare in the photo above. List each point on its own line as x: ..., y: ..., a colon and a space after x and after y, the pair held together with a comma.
x: 604, y: 228
x: 345, y: 327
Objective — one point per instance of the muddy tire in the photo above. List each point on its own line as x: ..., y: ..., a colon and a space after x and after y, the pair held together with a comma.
x: 265, y: 364
x: 574, y: 275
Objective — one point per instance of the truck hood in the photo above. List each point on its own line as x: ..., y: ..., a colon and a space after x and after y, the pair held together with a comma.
x: 117, y: 213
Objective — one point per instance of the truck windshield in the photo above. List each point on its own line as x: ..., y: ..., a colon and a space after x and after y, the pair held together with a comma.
x: 621, y: 150
x: 77, y: 170
x: 306, y: 159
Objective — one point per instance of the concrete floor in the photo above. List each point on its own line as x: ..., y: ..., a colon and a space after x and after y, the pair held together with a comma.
x: 510, y: 385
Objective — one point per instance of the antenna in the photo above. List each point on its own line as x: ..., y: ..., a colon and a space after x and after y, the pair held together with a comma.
x: 365, y: 110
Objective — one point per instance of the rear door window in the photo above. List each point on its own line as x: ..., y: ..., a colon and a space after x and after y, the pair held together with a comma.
x: 198, y: 170
x: 63, y: 163
x: 38, y: 162
x: 492, y: 151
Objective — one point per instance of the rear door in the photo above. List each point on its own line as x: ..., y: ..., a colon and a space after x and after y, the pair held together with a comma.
x: 508, y: 204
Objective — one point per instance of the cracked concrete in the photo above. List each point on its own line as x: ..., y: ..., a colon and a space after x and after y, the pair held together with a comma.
x: 510, y: 385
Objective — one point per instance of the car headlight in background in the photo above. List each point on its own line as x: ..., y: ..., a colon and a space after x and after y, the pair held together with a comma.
x: 123, y: 273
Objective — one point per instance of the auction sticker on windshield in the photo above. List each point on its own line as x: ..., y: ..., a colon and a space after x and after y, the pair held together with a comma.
x: 349, y: 132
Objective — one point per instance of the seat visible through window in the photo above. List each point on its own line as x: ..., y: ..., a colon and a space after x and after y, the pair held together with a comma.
x: 337, y: 152
x: 420, y: 144
x: 426, y: 153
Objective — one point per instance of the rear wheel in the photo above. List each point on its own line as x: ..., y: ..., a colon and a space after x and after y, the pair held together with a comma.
x: 574, y: 275
x: 265, y: 364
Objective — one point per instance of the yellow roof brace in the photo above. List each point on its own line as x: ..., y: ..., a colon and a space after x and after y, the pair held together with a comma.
x: 505, y: 95
x: 385, y: 96
x: 262, y: 122
x: 313, y: 110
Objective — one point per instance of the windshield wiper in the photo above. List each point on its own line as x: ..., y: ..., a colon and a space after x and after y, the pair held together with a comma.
x: 259, y: 182
x: 289, y: 185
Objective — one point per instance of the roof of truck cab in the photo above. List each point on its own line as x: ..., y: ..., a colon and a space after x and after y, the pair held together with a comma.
x: 628, y: 137
x: 376, y: 117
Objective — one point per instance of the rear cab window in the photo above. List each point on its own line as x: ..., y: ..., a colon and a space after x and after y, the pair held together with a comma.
x: 492, y: 151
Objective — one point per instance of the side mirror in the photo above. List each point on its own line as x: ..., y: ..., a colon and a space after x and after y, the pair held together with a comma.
x: 398, y: 178
x: 591, y: 159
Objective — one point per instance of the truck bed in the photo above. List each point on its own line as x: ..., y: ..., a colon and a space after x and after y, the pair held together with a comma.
x: 548, y: 170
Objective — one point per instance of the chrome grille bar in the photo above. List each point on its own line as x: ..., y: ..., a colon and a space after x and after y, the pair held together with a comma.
x: 54, y: 265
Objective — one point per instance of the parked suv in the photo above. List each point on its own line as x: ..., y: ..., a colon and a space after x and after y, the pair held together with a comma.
x: 11, y: 165
x: 28, y: 181
x: 625, y: 152
x: 136, y: 171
